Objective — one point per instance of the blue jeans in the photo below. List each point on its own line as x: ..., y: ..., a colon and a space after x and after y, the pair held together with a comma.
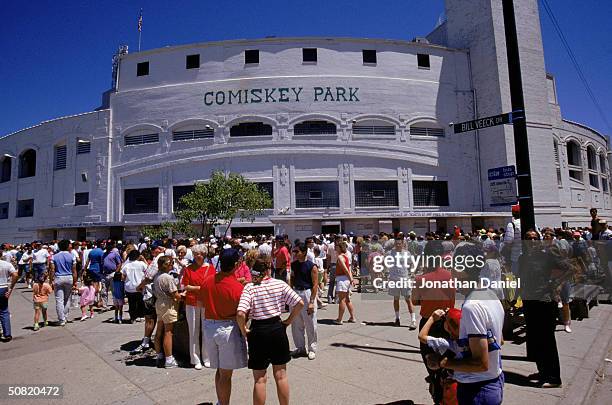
x: 63, y: 291
x: 5, y: 315
x: 490, y: 392
x: 37, y: 270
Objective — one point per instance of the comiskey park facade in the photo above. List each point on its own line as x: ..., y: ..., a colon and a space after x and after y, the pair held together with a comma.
x: 346, y: 134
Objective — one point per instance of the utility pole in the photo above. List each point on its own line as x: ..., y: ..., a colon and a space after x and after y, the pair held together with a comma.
x: 521, y: 144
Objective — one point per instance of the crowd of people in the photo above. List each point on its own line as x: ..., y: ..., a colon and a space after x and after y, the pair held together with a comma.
x: 235, y: 292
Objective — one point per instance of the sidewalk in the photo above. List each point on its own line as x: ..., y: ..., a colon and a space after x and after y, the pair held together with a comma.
x: 356, y: 363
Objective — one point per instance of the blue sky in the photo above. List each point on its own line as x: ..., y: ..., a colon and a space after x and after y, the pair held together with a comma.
x: 57, y: 54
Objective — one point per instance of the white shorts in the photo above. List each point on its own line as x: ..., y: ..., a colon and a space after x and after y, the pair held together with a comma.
x: 343, y: 284
x: 400, y: 292
x: 225, y: 345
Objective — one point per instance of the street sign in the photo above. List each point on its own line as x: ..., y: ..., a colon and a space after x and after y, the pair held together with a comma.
x: 501, y: 119
x: 502, y: 185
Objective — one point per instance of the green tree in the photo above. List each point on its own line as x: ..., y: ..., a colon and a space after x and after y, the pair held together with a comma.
x: 218, y: 201
x: 154, y: 232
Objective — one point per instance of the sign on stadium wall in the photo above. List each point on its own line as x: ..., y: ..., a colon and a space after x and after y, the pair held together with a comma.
x: 282, y: 95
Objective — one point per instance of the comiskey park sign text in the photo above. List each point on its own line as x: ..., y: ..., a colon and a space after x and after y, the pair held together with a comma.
x: 281, y: 95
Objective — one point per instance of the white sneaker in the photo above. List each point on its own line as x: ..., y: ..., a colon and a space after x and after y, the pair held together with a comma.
x: 207, y: 363
x: 171, y: 364
x: 84, y: 317
x: 412, y: 325
x: 567, y: 329
x: 62, y: 323
x: 198, y: 366
x: 311, y: 355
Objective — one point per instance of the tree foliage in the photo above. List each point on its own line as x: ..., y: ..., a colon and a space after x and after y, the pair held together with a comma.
x: 218, y: 201
x: 154, y: 232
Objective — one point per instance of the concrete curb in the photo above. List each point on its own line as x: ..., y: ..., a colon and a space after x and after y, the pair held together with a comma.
x: 582, y: 384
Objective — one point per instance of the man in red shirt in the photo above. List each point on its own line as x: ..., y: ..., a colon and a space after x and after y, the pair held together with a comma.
x: 225, y: 344
x: 282, y: 259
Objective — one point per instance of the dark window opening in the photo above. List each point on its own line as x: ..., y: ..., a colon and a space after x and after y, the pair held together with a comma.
x: 59, y: 162
x: 27, y: 164
x: 267, y: 187
x: 309, y: 54
x: 81, y: 198
x: 142, y: 69
x: 251, y: 129
x: 83, y: 147
x: 192, y: 61
x: 594, y: 180
x: 423, y: 61
x: 376, y: 194
x: 179, y: 192
x: 251, y: 56
x: 369, y: 56
x: 4, y: 208
x: 6, y: 168
x: 573, y: 154
x: 314, y: 128
x: 430, y: 193
x: 141, y: 201
x: 131, y: 140
x: 316, y: 194
x: 25, y: 208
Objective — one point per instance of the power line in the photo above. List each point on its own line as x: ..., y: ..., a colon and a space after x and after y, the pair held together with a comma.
x: 572, y: 57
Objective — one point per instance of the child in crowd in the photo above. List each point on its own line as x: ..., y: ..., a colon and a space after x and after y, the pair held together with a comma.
x: 88, y: 296
x: 118, y: 295
x: 40, y: 296
x: 443, y: 348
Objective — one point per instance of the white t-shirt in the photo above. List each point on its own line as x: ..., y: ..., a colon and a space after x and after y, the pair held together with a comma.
x: 25, y: 257
x: 318, y: 261
x: 134, y: 273
x: 7, y: 256
x: 331, y: 251
x: 6, y: 271
x: 482, y: 315
x: 86, y: 255
x: 40, y: 256
x: 310, y: 255
x: 150, y: 273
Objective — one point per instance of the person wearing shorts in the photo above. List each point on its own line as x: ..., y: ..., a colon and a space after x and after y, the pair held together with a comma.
x: 400, y: 273
x: 263, y: 300
x: 167, y: 298
x: 225, y: 345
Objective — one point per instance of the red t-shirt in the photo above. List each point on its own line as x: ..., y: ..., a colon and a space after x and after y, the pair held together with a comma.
x: 194, y: 278
x: 281, y: 255
x: 220, y: 295
x: 435, y: 298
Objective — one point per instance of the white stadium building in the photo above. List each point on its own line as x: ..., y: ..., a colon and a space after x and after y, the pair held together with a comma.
x: 346, y: 134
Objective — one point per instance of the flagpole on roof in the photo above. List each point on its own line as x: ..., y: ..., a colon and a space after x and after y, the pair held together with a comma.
x: 139, y: 29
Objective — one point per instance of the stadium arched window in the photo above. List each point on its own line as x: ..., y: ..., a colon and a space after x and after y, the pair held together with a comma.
x: 591, y: 158
x: 602, y: 162
x: 426, y: 129
x: 373, y: 127
x: 573, y: 154
x: 5, y: 169
x: 251, y: 129
x: 27, y: 164
x: 314, y: 128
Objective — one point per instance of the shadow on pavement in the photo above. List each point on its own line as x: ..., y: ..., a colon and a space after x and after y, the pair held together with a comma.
x: 129, y: 346
x: 377, y: 350
x: 400, y: 402
x: 518, y: 379
x: 383, y: 324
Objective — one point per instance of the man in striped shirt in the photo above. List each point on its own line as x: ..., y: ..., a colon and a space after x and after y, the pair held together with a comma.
x: 262, y: 301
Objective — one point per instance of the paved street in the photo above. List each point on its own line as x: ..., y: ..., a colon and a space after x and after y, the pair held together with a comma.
x: 371, y: 363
